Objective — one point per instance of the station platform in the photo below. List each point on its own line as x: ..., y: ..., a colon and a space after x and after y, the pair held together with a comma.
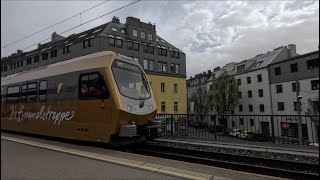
x: 24, y: 157
x: 247, y: 145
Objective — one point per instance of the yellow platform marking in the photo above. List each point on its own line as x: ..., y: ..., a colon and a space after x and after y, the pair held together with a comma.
x: 129, y: 163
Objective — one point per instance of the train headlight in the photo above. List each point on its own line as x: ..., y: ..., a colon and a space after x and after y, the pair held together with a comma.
x: 129, y: 108
x: 151, y: 108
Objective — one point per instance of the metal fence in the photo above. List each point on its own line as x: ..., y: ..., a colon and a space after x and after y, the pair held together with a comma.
x: 276, y: 129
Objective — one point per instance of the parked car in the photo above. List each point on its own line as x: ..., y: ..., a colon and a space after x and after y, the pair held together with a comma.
x: 259, y: 137
x: 235, y: 132
x: 245, y: 134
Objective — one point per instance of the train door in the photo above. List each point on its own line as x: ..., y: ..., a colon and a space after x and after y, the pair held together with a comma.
x: 93, y: 106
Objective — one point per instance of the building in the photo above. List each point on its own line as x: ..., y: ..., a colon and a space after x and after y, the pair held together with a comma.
x: 283, y: 77
x: 164, y: 64
x: 198, y: 81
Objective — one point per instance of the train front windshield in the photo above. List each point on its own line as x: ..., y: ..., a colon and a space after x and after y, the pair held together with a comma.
x: 130, y: 80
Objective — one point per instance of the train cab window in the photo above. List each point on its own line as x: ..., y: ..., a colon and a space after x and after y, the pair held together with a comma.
x: 32, y: 92
x: 92, y: 86
x: 23, y: 93
x: 42, y: 91
x: 13, y: 94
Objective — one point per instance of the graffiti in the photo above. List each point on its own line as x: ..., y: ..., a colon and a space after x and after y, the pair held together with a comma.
x: 19, y: 115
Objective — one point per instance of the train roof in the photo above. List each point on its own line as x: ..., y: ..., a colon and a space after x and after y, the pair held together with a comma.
x: 90, y: 61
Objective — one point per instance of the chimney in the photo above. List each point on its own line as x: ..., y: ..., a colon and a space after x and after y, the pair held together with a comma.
x: 56, y: 37
x: 209, y: 72
x: 203, y: 72
x: 154, y: 27
x: 216, y: 68
x: 115, y: 19
x: 19, y: 52
x: 39, y: 46
x: 292, y: 50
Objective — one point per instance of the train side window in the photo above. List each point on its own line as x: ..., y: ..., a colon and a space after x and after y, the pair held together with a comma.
x: 13, y: 94
x: 92, y: 86
x: 32, y: 92
x: 23, y: 93
x: 42, y: 91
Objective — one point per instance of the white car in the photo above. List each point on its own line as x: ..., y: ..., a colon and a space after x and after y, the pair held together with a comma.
x: 235, y: 132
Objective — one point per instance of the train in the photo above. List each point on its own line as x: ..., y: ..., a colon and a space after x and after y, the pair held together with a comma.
x: 101, y: 97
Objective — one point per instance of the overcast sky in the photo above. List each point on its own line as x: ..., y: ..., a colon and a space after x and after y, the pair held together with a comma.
x: 211, y: 33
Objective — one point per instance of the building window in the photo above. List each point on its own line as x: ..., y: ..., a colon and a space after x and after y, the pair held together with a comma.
x: 36, y: 59
x: 279, y: 88
x: 248, y: 80
x: 175, y: 106
x: 259, y: 78
x: 249, y: 94
x: 66, y: 49
x: 87, y: 43
x: 114, y: 29
x: 251, y: 122
x: 240, y: 108
x: 277, y: 71
x: 45, y: 56
x: 291, y: 130
x: 177, y: 68
x: 233, y: 123
x: 150, y: 37
x: 258, y: 63
x: 150, y: 49
x: 143, y: 35
x: 151, y: 65
x: 241, y: 121
x: 135, y: 46
x: 294, y: 67
x: 312, y: 64
x: 315, y: 106
x: 260, y: 92
x: 239, y: 82
x: 134, y: 33
x: 240, y: 94
x: 145, y: 48
x: 54, y: 53
x: 163, y: 106
x: 261, y: 107
x: 172, y: 66
x: 119, y: 42
x: 315, y: 85
x: 250, y: 107
x: 159, y: 66
x: 240, y: 68
x: 129, y: 45
x: 112, y: 41
x: 175, y: 88
x: 29, y: 61
x: 163, y: 52
x: 280, y: 106
x: 294, y: 87
x: 162, y: 87
x: 145, y: 64
x: 164, y: 67
x: 295, y: 104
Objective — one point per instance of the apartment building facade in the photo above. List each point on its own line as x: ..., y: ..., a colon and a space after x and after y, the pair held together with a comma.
x: 284, y: 76
x: 164, y: 64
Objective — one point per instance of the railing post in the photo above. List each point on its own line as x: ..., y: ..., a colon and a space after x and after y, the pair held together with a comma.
x: 272, y: 127
x: 215, y: 126
x: 172, y: 125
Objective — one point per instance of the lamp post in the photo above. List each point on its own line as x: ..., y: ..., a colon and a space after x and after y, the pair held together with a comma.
x: 299, y: 112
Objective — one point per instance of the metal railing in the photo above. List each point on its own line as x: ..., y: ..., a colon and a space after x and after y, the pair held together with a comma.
x: 276, y: 129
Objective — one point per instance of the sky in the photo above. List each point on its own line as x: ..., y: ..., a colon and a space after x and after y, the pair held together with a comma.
x: 210, y: 33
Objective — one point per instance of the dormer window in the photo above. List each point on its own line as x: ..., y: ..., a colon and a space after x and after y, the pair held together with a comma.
x: 122, y: 31
x: 258, y: 63
x: 240, y: 68
x: 114, y: 29
x: 83, y: 35
x: 97, y: 30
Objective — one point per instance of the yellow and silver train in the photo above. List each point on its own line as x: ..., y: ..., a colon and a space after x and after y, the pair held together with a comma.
x: 104, y: 97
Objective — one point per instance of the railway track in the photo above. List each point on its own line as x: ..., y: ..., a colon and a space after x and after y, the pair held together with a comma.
x: 266, y: 166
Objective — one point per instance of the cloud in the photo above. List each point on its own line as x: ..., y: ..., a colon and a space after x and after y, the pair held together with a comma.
x: 211, y: 33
